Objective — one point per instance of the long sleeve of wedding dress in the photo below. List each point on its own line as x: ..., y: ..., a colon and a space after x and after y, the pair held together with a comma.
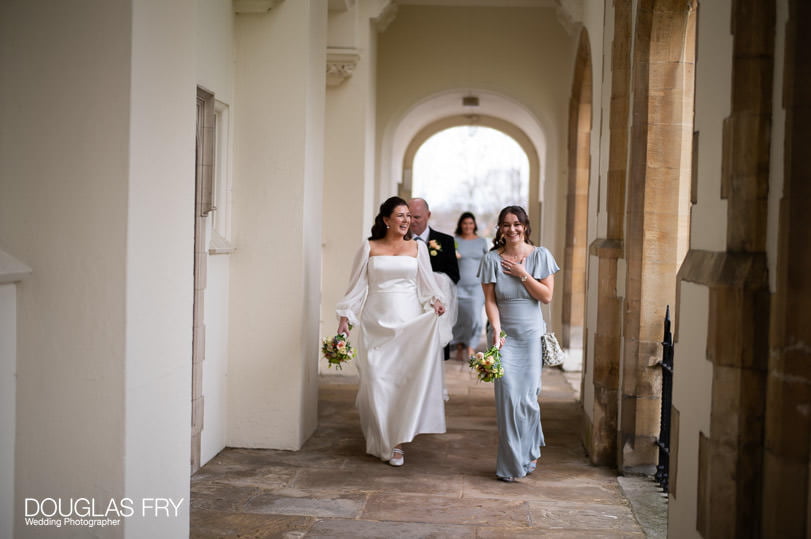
x: 351, y: 304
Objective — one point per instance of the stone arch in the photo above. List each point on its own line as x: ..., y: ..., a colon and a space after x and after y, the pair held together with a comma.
x: 504, y: 126
x: 404, y: 134
x: 657, y: 213
x: 577, y: 199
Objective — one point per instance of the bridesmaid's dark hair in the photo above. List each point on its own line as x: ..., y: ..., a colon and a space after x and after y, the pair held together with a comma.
x: 386, y: 209
x: 523, y: 218
x: 462, y: 217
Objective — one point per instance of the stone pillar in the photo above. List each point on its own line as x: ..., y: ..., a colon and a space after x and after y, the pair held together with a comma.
x: 277, y: 220
x: 601, y: 439
x: 656, y: 229
x: 787, y: 452
x: 730, y: 459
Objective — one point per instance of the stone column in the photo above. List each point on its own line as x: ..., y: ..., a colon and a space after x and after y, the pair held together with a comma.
x: 787, y: 452
x: 657, y: 215
x: 601, y: 433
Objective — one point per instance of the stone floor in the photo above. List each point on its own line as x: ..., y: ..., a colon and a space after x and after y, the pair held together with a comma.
x: 447, y: 487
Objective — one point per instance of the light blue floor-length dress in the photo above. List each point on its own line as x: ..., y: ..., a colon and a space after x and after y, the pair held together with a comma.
x: 517, y: 410
x: 469, y: 322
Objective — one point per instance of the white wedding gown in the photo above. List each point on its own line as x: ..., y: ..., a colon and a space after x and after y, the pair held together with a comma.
x: 400, y: 359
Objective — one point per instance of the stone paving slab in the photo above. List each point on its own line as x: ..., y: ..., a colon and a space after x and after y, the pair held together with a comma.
x: 442, y: 510
x: 368, y: 529
x: 531, y: 489
x: 320, y: 505
x: 218, y: 525
x: 568, y: 515
x: 523, y: 533
x: 387, y: 479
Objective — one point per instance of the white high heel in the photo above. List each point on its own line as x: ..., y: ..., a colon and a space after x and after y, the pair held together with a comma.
x: 398, y: 457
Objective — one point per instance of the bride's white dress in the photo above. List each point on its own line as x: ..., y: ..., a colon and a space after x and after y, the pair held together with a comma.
x: 400, y: 359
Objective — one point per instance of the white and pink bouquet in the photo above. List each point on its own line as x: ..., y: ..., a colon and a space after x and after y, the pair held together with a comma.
x: 488, y: 364
x: 337, y: 350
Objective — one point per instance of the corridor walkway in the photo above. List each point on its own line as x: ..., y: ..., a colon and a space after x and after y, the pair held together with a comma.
x: 447, y: 487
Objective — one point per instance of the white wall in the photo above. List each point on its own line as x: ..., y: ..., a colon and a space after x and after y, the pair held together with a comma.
x: 692, y: 391
x: 215, y: 72
x: 708, y: 229
x: 277, y: 221
x: 160, y: 246
x: 349, y: 166
x: 64, y: 144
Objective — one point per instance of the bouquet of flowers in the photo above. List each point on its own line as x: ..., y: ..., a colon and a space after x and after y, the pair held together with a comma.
x: 488, y: 364
x: 337, y: 350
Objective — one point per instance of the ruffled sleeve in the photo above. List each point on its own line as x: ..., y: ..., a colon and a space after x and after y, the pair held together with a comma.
x: 544, y: 263
x: 351, y: 304
x: 488, y: 268
x: 485, y: 247
x: 427, y: 287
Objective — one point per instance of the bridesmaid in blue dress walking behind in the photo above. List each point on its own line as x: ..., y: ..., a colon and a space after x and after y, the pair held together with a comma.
x: 517, y: 277
x: 470, y: 248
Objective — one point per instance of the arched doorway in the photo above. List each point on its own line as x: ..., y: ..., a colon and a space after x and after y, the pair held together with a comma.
x: 470, y: 169
x: 406, y: 186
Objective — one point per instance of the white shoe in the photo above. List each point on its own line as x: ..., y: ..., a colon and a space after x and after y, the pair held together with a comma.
x: 398, y: 458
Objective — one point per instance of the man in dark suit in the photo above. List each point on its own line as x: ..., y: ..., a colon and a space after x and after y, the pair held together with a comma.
x: 441, y: 247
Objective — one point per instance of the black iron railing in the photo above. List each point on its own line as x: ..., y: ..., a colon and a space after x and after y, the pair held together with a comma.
x: 667, y: 400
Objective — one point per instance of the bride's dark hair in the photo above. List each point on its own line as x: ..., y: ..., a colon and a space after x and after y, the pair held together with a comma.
x: 523, y: 218
x: 386, y: 209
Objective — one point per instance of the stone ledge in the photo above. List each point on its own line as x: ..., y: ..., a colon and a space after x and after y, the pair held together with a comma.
x: 714, y: 268
x: 11, y: 269
x: 607, y: 248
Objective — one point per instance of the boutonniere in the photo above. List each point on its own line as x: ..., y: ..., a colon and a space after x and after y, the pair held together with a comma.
x: 434, y: 247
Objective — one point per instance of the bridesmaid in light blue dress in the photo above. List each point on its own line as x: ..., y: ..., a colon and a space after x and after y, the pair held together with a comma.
x: 470, y: 248
x: 516, y: 278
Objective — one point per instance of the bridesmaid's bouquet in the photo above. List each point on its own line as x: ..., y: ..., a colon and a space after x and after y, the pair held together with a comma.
x: 488, y: 364
x: 337, y: 350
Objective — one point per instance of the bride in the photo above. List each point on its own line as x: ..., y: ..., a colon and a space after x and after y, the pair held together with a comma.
x: 394, y: 298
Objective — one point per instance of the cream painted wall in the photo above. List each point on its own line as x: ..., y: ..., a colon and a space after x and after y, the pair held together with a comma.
x: 349, y: 166
x: 692, y: 393
x: 64, y: 144
x: 712, y: 106
x: 215, y: 72
x: 214, y: 42
x: 313, y: 215
x: 275, y: 270
x: 160, y: 261
x: 523, y: 54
